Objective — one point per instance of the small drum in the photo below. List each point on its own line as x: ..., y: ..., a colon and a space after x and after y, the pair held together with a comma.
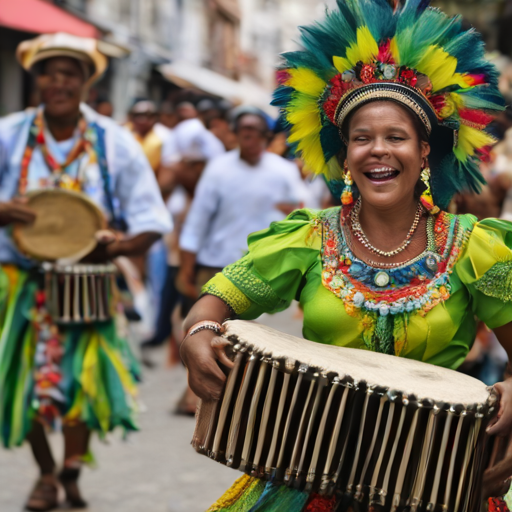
x: 78, y: 294
x: 65, y: 226
x: 387, y: 432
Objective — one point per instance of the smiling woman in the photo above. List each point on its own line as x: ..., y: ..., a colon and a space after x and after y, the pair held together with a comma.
x: 391, y: 103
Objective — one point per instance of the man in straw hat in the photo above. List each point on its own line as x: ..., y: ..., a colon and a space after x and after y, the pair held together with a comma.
x: 65, y: 144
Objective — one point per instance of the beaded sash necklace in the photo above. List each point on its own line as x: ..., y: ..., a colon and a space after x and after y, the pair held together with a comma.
x: 384, y: 298
x: 37, y: 138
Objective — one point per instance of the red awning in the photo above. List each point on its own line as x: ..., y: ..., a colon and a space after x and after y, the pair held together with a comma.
x: 42, y: 17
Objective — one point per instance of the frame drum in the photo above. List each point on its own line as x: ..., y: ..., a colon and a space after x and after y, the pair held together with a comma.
x: 64, y: 228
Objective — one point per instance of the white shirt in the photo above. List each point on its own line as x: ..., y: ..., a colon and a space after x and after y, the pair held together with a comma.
x: 132, y: 182
x: 316, y: 192
x: 195, y: 142
x: 234, y: 199
x: 170, y: 153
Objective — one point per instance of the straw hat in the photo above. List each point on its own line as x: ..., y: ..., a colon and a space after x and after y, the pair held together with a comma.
x: 84, y: 49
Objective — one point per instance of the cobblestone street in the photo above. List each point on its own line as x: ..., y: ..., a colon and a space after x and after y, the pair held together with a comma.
x: 155, y: 470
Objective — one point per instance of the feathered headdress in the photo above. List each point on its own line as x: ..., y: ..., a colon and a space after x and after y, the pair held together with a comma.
x: 366, y: 50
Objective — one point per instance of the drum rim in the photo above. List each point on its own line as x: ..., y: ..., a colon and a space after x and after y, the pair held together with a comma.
x: 18, y: 228
x: 232, y: 333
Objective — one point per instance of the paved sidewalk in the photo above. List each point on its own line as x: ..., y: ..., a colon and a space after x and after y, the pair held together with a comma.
x: 155, y: 470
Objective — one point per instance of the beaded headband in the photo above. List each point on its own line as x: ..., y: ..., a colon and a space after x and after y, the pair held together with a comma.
x: 401, y: 94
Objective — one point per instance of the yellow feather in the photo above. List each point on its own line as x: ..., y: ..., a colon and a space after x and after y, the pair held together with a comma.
x: 123, y: 374
x: 395, y: 51
x: 90, y: 367
x: 306, y: 81
x: 440, y: 67
x: 334, y: 170
x: 365, y: 49
x: 304, y: 118
x: 312, y: 153
x: 471, y: 139
x: 341, y: 64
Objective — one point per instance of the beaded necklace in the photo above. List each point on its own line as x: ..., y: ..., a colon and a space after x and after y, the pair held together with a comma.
x: 384, y: 298
x: 430, y: 247
x: 363, y: 239
x: 37, y: 138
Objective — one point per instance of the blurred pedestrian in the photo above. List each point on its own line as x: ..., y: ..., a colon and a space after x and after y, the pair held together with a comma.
x: 214, y: 117
x: 158, y: 142
x: 239, y: 193
x: 159, y: 145
x: 104, y: 106
x: 196, y: 147
x: 66, y: 144
x: 168, y: 116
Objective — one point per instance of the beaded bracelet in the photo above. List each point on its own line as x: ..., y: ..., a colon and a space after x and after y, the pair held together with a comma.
x: 204, y: 325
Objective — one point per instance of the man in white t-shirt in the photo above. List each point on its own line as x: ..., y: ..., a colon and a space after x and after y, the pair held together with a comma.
x: 240, y: 192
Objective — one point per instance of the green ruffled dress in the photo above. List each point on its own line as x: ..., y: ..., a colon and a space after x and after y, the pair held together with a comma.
x: 425, y: 310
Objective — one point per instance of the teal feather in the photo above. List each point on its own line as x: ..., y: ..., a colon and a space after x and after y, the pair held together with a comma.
x: 331, y: 141
x: 482, y: 98
x: 318, y: 63
x: 443, y: 181
x: 379, y: 18
x: 282, y: 96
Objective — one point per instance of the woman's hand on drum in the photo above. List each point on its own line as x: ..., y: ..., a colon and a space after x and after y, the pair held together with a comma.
x: 502, y: 425
x: 200, y: 354
x: 16, y: 211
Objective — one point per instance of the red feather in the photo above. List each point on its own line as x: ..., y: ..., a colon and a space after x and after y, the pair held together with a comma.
x: 475, y: 116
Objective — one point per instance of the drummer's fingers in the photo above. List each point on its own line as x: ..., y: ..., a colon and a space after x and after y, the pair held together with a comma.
x: 219, y: 347
x: 20, y: 200
x: 502, y: 424
x: 105, y: 236
x: 23, y: 214
x: 209, y: 384
x: 502, y: 427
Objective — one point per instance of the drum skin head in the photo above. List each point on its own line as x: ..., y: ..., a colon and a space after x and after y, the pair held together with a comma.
x: 64, y: 228
x: 395, y: 373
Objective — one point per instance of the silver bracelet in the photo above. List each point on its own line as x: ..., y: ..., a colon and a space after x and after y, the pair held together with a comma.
x: 204, y: 325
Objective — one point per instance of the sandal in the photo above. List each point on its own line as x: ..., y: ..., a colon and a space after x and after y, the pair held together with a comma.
x: 43, y: 497
x: 69, y: 479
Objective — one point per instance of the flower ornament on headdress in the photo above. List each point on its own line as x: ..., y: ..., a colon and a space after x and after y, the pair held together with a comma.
x: 414, y: 55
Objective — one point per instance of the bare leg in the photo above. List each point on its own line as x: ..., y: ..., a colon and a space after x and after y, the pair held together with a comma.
x: 44, y: 495
x: 41, y: 449
x: 76, y: 444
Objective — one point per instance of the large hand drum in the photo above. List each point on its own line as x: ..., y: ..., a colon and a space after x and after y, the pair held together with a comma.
x: 388, y: 432
x: 64, y: 228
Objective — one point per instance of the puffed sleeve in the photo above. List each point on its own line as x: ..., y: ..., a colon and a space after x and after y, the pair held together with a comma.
x: 485, y: 269
x: 273, y: 272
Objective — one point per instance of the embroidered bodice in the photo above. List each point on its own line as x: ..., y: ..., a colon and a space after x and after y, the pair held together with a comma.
x: 424, y: 309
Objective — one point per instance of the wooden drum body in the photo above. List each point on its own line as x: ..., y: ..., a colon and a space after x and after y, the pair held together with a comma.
x: 391, y: 433
x: 80, y: 294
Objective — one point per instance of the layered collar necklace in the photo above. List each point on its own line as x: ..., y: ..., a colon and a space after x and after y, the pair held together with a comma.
x: 37, y: 138
x: 360, y: 235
